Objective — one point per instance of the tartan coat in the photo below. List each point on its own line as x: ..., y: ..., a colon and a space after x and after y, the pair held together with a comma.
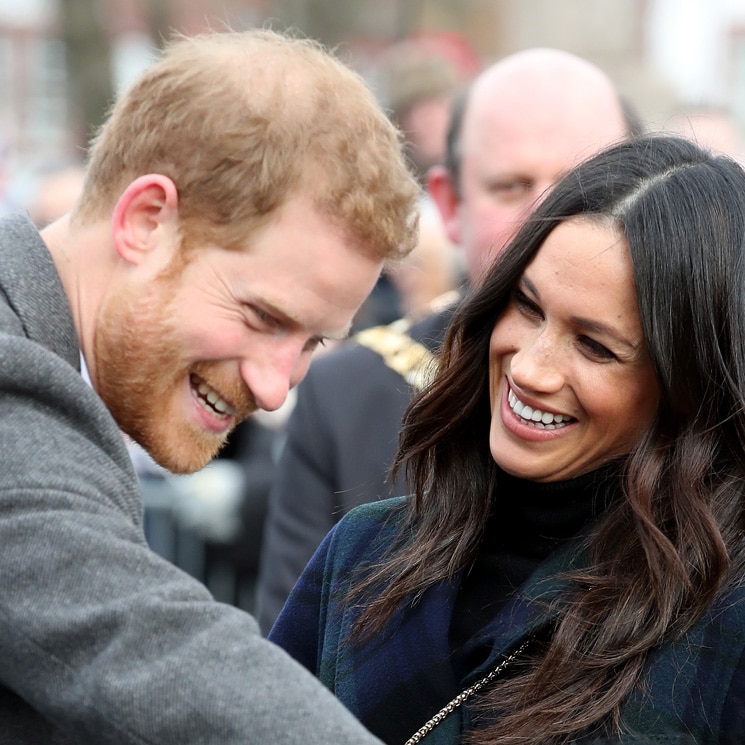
x: 692, y: 693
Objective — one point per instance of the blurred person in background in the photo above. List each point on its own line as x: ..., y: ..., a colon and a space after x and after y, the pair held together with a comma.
x: 520, y: 125
x: 54, y: 191
x: 416, y: 80
x: 431, y: 272
x: 238, y: 205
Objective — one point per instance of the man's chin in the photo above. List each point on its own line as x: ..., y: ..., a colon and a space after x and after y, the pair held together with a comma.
x: 182, y: 468
x: 182, y: 457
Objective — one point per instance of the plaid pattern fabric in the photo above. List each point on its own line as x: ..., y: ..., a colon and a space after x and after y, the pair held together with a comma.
x: 693, y: 691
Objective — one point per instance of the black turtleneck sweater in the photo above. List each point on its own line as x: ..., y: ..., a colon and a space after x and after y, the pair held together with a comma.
x: 528, y: 521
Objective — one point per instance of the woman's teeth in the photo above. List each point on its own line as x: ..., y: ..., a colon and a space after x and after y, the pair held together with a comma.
x: 536, y: 417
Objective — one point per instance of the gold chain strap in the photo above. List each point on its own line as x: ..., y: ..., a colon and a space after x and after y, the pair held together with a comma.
x: 410, y: 359
x: 464, y: 695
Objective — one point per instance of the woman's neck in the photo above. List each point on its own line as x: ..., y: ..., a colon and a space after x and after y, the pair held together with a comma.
x: 531, y: 519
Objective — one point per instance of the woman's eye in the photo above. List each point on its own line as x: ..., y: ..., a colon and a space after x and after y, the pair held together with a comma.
x: 525, y: 305
x: 596, y: 349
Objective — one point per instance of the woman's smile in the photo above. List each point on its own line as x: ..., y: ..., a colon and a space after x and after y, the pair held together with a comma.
x: 524, y: 423
x: 533, y: 416
x: 567, y: 358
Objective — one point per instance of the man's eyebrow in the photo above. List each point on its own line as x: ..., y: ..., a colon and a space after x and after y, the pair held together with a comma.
x: 586, y: 323
x: 290, y: 322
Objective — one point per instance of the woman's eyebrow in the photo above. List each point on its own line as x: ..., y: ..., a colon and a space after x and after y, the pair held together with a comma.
x: 586, y: 323
x: 604, y: 329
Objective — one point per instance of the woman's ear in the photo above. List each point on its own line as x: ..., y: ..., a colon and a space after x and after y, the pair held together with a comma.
x: 444, y: 194
x: 145, y: 214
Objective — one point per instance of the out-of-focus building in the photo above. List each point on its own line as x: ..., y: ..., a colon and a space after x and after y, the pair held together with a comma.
x: 41, y: 120
x: 664, y: 54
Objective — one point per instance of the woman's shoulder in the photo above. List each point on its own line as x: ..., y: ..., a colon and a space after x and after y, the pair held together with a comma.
x: 368, y: 528
x: 380, y: 511
x: 728, y: 610
x: 385, y: 515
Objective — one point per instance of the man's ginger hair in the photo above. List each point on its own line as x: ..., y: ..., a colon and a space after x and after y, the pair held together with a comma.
x: 240, y: 122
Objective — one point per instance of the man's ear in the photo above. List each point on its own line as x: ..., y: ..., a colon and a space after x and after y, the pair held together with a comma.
x: 145, y: 213
x: 444, y: 194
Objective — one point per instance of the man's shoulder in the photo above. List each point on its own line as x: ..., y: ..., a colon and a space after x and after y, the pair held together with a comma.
x: 369, y: 352
x: 33, y: 302
x: 431, y: 329
x: 32, y: 364
x: 53, y: 424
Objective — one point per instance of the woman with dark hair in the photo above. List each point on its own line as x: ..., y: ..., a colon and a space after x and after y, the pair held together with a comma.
x: 569, y: 565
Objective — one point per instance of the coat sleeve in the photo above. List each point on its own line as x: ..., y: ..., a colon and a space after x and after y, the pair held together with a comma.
x: 301, y: 507
x: 341, y: 440
x: 99, y: 636
x: 299, y: 626
x: 312, y: 626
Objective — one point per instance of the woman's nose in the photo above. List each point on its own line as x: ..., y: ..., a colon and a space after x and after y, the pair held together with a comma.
x: 536, y: 365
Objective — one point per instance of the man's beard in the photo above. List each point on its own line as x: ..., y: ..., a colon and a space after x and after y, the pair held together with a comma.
x: 142, y: 375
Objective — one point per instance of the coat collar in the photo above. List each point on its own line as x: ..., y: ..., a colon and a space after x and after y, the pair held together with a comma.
x: 528, y: 611
x: 33, y: 288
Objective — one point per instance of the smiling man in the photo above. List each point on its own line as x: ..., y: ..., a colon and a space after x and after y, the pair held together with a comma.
x: 238, y: 206
x: 227, y: 332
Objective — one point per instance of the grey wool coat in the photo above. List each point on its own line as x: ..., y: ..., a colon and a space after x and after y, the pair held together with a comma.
x: 101, y: 640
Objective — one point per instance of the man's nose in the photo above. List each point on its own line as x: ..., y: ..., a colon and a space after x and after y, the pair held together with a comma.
x: 271, y: 372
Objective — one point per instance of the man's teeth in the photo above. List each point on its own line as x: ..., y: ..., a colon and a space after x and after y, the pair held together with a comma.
x: 218, y: 404
x: 536, y: 417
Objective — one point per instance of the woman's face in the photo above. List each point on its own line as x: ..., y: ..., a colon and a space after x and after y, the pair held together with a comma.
x: 570, y: 381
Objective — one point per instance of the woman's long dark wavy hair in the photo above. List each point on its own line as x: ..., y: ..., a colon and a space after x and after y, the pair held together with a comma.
x: 661, y: 555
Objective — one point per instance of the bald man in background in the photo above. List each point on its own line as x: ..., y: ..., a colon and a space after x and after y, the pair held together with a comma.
x: 518, y: 127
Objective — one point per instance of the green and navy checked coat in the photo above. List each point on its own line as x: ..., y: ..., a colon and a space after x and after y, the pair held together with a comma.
x: 693, y: 690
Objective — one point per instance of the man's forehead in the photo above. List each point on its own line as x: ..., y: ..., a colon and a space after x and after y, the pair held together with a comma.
x: 543, y: 143
x: 534, y: 150
x: 542, y: 97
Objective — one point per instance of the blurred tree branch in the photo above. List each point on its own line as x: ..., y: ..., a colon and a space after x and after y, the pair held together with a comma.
x: 88, y: 60
x: 160, y: 21
x: 334, y: 21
